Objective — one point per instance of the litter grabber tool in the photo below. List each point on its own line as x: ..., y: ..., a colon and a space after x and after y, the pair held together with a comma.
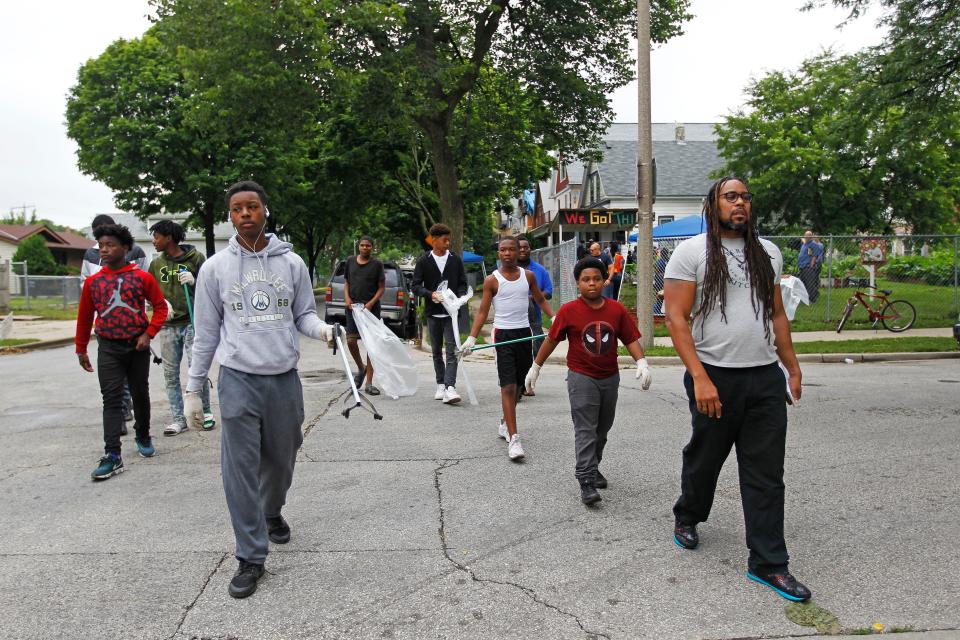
x: 156, y: 359
x: 500, y: 344
x: 359, y: 400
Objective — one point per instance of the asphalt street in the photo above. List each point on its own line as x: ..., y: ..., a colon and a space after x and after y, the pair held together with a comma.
x: 419, y: 526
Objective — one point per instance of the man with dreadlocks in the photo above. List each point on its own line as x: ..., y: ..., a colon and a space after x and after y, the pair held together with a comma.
x: 729, y: 279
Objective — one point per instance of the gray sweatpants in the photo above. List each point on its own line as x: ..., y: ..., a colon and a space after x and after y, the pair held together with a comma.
x: 593, y: 405
x: 261, y: 419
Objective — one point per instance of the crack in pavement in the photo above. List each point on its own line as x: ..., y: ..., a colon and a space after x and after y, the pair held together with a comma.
x: 434, y: 459
x: 527, y: 591
x: 316, y: 420
x: 203, y: 587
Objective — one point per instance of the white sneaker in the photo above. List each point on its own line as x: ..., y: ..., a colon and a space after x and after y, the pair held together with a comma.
x: 503, y: 433
x: 174, y: 428
x: 515, y: 450
x: 440, y: 391
x: 450, y: 396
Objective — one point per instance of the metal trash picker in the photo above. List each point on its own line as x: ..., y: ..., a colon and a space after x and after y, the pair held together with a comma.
x: 359, y: 400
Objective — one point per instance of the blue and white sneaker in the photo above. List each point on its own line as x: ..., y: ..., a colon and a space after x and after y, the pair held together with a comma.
x: 146, y: 449
x: 110, y: 465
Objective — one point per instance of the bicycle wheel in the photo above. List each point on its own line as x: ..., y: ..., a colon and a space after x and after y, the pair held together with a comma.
x: 902, y: 313
x: 845, y: 316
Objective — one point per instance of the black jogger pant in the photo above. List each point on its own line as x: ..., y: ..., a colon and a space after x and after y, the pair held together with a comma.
x: 119, y: 363
x: 754, y: 418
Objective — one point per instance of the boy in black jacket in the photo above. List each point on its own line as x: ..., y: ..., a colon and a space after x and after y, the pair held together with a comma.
x: 432, y: 268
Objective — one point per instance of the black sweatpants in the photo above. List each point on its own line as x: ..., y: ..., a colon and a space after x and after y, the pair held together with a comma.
x: 754, y: 418
x: 119, y: 363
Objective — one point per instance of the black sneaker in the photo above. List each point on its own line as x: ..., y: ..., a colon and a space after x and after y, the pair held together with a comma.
x: 599, y: 481
x: 685, y: 535
x: 278, y: 530
x: 783, y: 583
x: 588, y: 493
x: 244, y: 581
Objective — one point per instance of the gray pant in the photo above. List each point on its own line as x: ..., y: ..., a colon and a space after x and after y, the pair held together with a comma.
x: 593, y: 405
x: 441, y: 333
x: 261, y: 432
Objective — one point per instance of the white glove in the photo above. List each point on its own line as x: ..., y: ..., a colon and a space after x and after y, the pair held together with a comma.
x: 531, y: 380
x: 193, y: 409
x: 186, y: 278
x: 468, y: 345
x: 643, y: 374
x: 326, y: 332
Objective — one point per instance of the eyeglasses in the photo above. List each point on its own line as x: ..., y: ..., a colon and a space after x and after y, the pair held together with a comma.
x: 731, y: 196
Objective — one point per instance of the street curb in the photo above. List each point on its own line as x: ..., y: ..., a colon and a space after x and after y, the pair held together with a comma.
x: 35, y: 346
x: 822, y: 358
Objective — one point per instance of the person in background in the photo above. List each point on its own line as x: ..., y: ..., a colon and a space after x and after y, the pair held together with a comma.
x: 615, y: 271
x: 175, y: 269
x: 546, y: 288
x: 809, y: 263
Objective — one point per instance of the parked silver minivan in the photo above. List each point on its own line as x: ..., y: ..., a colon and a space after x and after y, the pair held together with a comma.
x: 397, y: 306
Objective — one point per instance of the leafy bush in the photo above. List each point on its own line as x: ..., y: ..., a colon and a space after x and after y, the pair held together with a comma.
x: 36, y: 254
x: 935, y: 269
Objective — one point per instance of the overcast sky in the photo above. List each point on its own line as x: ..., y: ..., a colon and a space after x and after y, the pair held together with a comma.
x: 698, y: 77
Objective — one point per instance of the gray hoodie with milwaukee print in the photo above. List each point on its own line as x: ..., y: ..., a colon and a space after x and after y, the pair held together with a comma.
x: 248, y: 309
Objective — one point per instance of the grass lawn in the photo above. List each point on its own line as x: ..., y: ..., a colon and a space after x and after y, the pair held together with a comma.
x: 46, y: 308
x: 934, y: 305
x: 873, y: 345
x: 16, y: 342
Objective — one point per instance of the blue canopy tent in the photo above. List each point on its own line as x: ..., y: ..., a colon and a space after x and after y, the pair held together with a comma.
x: 472, y: 258
x: 682, y: 228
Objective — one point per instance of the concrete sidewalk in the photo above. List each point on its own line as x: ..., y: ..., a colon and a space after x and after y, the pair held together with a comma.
x: 419, y: 527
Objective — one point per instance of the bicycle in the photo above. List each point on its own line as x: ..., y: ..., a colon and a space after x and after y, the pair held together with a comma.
x: 895, y: 315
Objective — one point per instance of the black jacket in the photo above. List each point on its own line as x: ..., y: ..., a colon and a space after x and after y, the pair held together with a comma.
x: 426, y: 278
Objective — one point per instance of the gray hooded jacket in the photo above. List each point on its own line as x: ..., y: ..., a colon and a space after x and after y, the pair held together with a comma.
x: 248, y: 309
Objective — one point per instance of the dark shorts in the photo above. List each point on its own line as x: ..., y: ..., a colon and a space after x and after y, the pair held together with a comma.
x: 513, y: 360
x: 352, y: 331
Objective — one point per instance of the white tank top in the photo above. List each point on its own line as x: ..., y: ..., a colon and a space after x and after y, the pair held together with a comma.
x: 510, y: 303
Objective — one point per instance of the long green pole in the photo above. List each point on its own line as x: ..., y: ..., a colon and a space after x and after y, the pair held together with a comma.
x: 186, y: 290
x: 500, y: 344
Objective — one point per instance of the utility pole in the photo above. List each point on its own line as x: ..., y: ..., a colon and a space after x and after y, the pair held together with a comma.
x: 645, y: 193
x: 23, y: 211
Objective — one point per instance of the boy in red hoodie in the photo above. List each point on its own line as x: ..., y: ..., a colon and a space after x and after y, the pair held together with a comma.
x: 118, y: 294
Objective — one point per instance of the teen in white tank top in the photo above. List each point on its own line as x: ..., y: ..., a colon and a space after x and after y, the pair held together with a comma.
x: 511, y: 302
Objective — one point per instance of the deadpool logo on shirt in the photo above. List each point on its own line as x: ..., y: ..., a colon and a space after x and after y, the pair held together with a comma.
x: 598, y: 338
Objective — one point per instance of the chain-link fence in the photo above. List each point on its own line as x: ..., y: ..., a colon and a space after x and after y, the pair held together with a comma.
x: 29, y: 291
x: 559, y: 260
x: 923, y: 270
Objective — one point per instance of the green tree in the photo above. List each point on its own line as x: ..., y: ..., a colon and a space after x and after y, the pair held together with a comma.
x: 820, y: 153
x: 564, y: 57
x: 37, y: 255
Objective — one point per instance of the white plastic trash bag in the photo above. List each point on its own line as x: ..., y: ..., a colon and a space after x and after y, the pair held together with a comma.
x: 793, y: 293
x: 393, y: 368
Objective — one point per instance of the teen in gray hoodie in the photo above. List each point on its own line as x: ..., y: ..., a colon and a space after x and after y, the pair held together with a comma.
x: 251, y: 302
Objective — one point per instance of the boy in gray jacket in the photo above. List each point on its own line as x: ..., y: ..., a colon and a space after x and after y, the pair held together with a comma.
x: 252, y: 299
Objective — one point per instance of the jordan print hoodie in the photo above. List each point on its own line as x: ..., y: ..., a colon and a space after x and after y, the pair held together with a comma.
x: 119, y: 300
x: 249, y: 309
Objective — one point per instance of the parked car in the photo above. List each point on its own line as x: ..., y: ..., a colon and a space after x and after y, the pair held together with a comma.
x: 397, y: 305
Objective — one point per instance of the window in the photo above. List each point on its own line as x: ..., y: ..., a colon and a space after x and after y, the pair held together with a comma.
x: 664, y: 220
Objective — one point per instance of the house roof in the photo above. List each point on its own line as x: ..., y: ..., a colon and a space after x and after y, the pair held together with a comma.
x: 16, y: 233
x: 682, y: 169
x: 663, y: 131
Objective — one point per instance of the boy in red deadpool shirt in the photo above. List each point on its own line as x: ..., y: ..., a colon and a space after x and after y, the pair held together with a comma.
x: 594, y: 325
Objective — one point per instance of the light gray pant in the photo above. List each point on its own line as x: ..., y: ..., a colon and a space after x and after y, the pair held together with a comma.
x: 261, y: 432
x: 593, y: 406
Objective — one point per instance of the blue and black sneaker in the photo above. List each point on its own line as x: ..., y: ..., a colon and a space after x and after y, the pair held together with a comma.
x: 145, y: 449
x: 110, y: 465
x: 783, y: 583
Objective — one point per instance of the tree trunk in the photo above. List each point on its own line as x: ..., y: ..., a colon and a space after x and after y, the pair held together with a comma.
x: 448, y: 183
x: 208, y: 224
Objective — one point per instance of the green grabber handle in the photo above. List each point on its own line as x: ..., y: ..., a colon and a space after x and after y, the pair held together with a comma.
x: 186, y: 291
x: 500, y: 344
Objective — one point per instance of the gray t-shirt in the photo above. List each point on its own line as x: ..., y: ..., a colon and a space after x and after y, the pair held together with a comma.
x: 738, y: 342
